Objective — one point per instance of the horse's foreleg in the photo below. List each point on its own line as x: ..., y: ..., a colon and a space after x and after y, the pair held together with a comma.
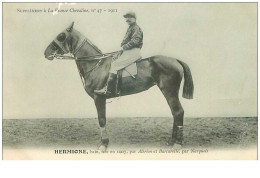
x: 100, y: 102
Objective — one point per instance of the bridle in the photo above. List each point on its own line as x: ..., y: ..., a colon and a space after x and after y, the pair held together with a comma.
x: 98, y: 57
x: 88, y: 58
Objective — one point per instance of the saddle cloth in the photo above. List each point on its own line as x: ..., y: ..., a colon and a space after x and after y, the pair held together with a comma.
x: 130, y: 70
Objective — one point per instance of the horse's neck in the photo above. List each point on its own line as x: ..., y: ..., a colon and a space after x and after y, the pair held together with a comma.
x: 85, y: 50
x: 85, y: 66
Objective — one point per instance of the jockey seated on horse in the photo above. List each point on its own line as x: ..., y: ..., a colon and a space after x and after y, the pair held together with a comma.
x: 131, y: 46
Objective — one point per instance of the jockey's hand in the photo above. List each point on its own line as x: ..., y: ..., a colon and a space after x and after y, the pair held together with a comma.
x: 120, y: 51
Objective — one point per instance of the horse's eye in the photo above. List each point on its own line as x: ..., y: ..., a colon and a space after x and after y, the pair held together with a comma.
x: 61, y: 37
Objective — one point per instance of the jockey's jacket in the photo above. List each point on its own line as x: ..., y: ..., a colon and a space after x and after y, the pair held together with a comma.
x: 133, y: 38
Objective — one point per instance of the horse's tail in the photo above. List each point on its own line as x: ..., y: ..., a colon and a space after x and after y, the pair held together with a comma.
x: 188, y: 87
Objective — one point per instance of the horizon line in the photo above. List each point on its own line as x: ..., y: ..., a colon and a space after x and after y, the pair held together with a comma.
x: 136, y: 117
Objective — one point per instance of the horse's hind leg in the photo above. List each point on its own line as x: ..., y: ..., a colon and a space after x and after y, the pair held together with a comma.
x: 170, y: 86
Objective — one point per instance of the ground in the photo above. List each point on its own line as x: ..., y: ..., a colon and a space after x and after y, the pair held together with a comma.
x: 129, y: 133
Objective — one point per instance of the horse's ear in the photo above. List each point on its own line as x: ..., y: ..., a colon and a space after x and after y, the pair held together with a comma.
x: 70, y: 28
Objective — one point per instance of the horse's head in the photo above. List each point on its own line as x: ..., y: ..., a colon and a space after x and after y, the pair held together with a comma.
x: 60, y: 45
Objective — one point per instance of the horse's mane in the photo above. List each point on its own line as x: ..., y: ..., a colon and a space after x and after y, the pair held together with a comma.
x: 93, y: 45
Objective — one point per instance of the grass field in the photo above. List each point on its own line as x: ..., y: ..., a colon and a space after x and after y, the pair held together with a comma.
x: 129, y: 133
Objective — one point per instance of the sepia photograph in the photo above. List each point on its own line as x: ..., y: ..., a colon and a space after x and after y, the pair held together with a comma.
x: 130, y: 81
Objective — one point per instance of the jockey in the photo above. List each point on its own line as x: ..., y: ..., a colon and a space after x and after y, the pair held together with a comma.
x: 131, y: 46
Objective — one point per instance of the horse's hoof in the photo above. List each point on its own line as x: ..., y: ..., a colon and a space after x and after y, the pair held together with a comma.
x: 102, y: 147
x: 177, y: 146
x: 170, y: 143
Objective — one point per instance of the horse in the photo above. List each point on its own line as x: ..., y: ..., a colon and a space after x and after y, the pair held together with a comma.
x: 93, y: 66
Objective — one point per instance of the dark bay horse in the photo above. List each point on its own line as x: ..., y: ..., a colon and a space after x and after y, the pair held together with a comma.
x: 93, y: 66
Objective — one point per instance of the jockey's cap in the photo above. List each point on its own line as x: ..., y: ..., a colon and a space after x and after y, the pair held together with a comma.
x: 130, y: 14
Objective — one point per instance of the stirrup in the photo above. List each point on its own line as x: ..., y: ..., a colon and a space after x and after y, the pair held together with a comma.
x: 105, y: 92
x: 110, y: 87
x: 102, y: 91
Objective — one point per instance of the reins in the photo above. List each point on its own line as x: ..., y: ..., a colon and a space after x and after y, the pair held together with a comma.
x: 98, y: 57
x: 86, y: 58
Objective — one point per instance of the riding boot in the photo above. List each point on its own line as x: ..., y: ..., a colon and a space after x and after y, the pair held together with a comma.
x: 110, y: 88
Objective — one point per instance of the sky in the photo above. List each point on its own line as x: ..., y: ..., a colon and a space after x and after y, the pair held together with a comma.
x: 217, y: 40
